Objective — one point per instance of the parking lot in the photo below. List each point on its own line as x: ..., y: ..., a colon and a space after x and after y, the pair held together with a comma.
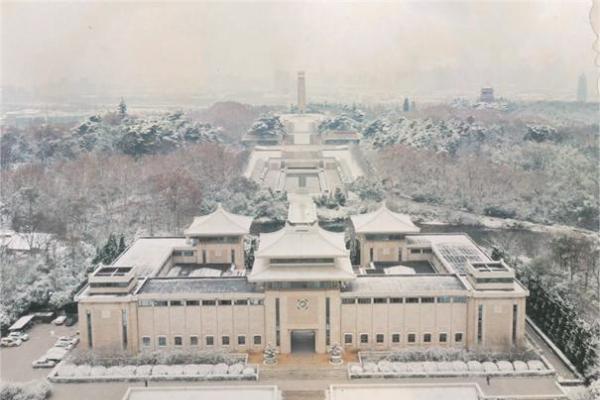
x: 15, y: 362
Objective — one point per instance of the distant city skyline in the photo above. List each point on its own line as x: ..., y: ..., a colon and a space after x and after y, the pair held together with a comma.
x: 252, y: 51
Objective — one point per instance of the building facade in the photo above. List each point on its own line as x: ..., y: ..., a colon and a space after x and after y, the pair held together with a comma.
x: 302, y: 292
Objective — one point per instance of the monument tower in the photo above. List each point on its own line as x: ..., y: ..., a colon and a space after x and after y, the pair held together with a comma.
x: 301, y: 92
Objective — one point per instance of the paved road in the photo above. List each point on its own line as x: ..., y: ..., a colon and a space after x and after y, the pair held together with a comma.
x: 15, y: 362
x: 561, y: 368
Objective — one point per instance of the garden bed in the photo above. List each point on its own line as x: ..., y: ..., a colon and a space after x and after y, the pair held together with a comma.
x: 448, y: 363
x: 65, y: 372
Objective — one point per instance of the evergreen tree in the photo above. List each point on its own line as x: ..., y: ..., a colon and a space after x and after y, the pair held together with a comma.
x: 340, y: 197
x: 121, y: 245
x: 122, y: 108
x: 406, y: 106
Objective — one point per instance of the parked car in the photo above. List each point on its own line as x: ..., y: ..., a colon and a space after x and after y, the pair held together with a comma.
x: 66, y: 342
x: 43, y: 362
x: 10, y: 342
x: 19, y: 335
x: 56, y: 354
x: 71, y: 320
x: 60, y: 320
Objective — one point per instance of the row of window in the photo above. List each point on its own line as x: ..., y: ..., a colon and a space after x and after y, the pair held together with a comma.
x: 396, y: 338
x: 408, y: 300
x: 420, y: 251
x: 179, y: 303
x: 209, y: 340
x: 183, y: 253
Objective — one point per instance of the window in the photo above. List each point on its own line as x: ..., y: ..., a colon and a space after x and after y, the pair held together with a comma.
x: 145, y: 303
x: 427, y: 338
x: 480, y: 323
x: 327, y: 322
x: 203, y: 256
x: 347, y: 338
x: 277, y: 324
x: 364, y: 338
x: 443, y: 337
x: 146, y: 341
x: 224, y: 302
x: 232, y: 256
x: 241, y: 302
x: 458, y: 337
x: 396, y: 300
x: 415, y: 251
x: 174, y: 303
x: 444, y: 299
x: 460, y: 299
x: 395, y: 338
x: 193, y: 340
x: 162, y: 341
x: 256, y: 302
x: 210, y: 341
x: 379, y: 338
x: 88, y: 318
x: 351, y: 300
x: 380, y: 300
x: 412, y: 338
x: 364, y: 300
x: 178, y: 341
x: 427, y: 300
x: 208, y: 302
x: 241, y: 340
x: 427, y: 251
x: 225, y: 340
x: 412, y: 300
x: 192, y: 303
x: 257, y: 340
x: 371, y: 254
x: 160, y: 303
x: 124, y: 325
x: 515, y: 319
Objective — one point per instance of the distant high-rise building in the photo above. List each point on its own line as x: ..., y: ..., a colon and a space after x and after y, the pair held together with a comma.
x: 301, y: 92
x: 487, y: 95
x: 582, y: 88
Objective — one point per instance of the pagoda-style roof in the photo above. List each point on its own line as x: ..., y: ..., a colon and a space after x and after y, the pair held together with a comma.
x: 301, y: 253
x: 307, y: 241
x: 383, y: 221
x: 219, y: 223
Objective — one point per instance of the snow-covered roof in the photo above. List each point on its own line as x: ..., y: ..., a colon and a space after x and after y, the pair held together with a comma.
x: 219, y: 222
x: 391, y: 285
x: 301, y: 241
x: 148, y: 255
x: 383, y: 221
x: 193, y: 285
x: 308, y: 242
x: 453, y: 250
x: 228, y: 392
x: 399, y: 270
x: 15, y: 241
x: 263, y: 271
x: 393, y: 391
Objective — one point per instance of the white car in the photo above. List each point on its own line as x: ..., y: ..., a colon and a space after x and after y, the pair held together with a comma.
x: 43, y: 362
x: 19, y: 335
x: 10, y: 342
x: 60, y: 320
x: 64, y: 344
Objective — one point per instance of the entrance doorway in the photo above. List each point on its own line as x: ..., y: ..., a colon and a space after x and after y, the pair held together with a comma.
x: 303, y: 341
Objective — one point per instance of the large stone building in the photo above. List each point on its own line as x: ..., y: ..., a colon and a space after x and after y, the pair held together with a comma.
x: 302, y: 292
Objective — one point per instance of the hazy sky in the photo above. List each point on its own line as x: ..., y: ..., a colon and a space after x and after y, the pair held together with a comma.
x: 439, y: 48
